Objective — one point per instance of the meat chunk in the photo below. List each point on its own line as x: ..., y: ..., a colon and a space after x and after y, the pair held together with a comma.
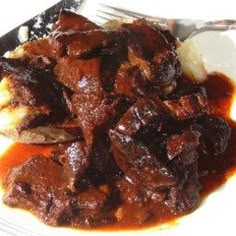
x: 188, y: 106
x: 181, y: 144
x: 109, y: 69
x: 69, y: 71
x: 76, y: 161
x: 139, y: 164
x: 42, y: 193
x: 184, y: 197
x: 144, y: 114
x: 72, y: 22
x: 149, y: 49
x: 130, y: 82
x: 89, y: 43
x: 215, y: 134
x: 93, y: 107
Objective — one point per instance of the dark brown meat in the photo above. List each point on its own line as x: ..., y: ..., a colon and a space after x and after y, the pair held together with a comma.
x: 89, y: 43
x: 69, y: 71
x: 149, y: 49
x: 38, y: 86
x: 139, y: 164
x: 76, y: 161
x: 144, y: 114
x: 130, y: 82
x: 35, y: 88
x: 184, y: 197
x: 189, y: 106
x: 39, y: 186
x: 91, y: 199
x: 181, y: 144
x: 46, y: 193
x: 72, y: 22
x: 94, y: 109
x: 215, y: 134
x: 109, y: 67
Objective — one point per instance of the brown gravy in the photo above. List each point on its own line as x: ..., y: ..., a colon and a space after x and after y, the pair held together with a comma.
x: 220, y: 92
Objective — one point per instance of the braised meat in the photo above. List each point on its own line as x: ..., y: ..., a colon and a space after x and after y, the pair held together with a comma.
x: 142, y: 128
x: 69, y: 71
x: 189, y: 106
x: 138, y: 163
x: 144, y: 114
x: 28, y: 190
x: 93, y: 107
x: 52, y: 202
x: 130, y: 82
x: 181, y: 144
x: 215, y: 133
x: 149, y: 49
x: 69, y: 21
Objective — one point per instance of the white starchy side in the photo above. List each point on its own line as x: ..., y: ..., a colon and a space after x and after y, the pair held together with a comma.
x: 12, y: 118
x: 23, y: 34
x: 191, y: 61
x: 5, y: 94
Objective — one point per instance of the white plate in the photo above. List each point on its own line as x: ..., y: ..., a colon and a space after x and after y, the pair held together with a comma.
x: 214, y: 216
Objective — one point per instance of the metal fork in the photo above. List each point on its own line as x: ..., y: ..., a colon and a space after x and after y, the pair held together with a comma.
x: 180, y: 28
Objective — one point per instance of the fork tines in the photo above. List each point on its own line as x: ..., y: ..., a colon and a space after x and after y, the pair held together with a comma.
x: 106, y: 13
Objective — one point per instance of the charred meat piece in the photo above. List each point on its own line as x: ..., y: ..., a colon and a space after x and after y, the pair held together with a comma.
x: 181, y: 144
x: 144, y: 114
x: 215, y: 134
x: 72, y: 22
x: 189, y: 106
x: 69, y: 71
x: 139, y: 164
x: 149, y: 49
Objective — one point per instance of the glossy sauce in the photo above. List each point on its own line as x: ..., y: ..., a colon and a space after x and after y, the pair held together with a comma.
x: 220, y: 92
